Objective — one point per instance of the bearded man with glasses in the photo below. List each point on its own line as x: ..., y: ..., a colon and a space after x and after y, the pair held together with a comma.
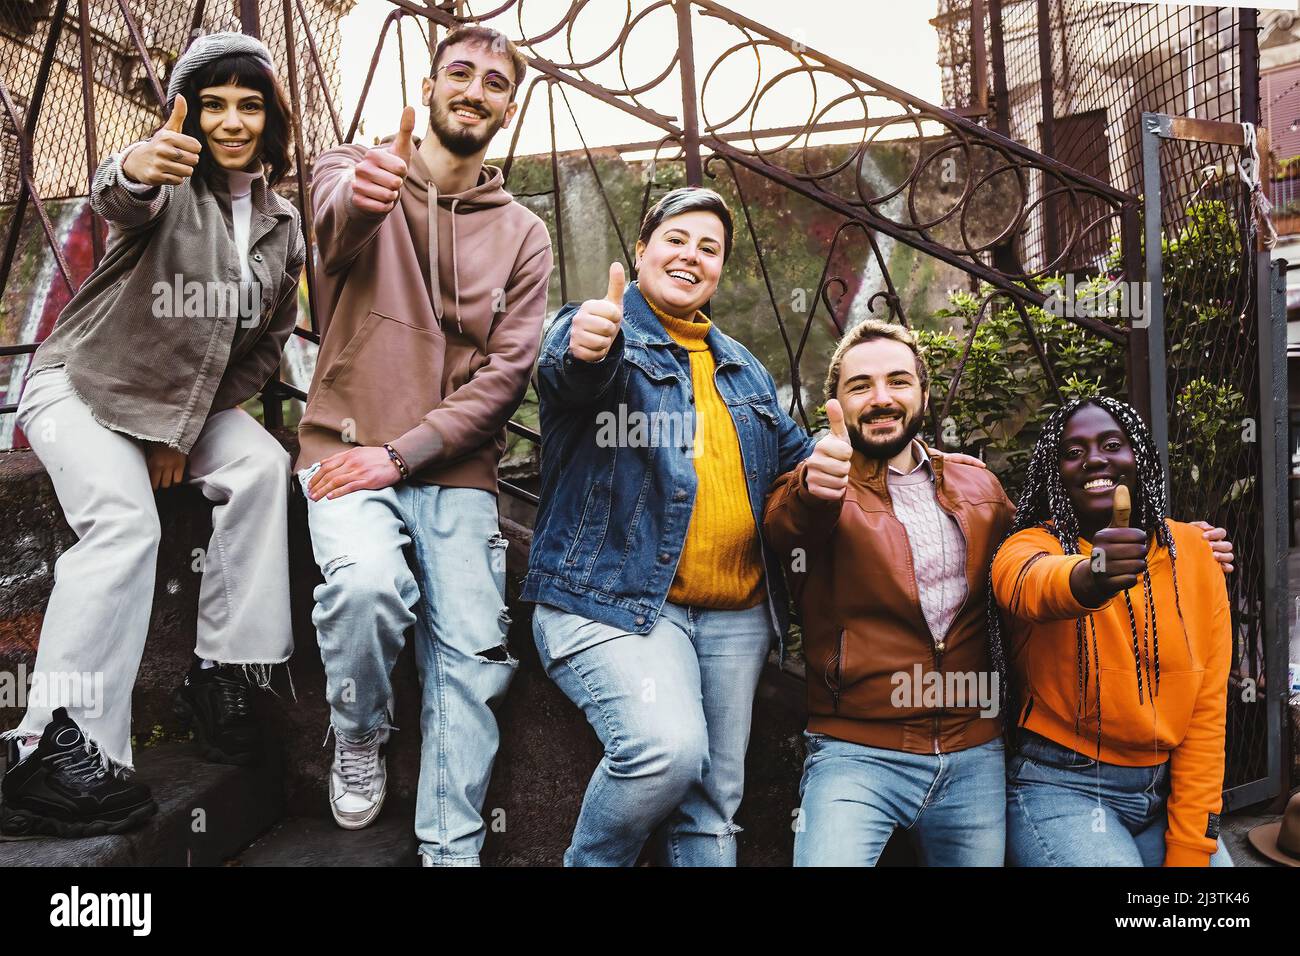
x: 433, y: 282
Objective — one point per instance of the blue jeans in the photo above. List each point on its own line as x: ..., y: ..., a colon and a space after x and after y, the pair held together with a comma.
x: 432, y: 559
x: 1067, y: 809
x: 672, y: 709
x: 853, y: 797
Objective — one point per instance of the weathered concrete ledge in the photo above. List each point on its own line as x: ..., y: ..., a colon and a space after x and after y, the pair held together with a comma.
x: 547, y: 750
x: 207, y: 813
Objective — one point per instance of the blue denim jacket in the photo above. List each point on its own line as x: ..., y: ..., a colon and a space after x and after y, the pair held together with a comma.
x: 613, y: 514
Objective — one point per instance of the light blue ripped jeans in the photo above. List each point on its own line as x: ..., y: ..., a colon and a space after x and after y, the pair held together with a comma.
x: 672, y: 708
x: 433, y: 559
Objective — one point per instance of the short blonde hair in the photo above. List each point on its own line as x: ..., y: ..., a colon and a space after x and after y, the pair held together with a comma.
x: 869, y: 330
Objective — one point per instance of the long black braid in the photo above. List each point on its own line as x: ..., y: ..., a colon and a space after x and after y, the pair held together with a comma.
x: 1045, y: 503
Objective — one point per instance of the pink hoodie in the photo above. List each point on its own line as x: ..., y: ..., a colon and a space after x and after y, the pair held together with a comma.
x: 430, y: 352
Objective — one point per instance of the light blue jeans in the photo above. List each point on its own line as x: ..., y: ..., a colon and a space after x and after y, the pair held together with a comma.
x: 1067, y: 809
x: 432, y: 559
x: 672, y: 708
x: 853, y: 797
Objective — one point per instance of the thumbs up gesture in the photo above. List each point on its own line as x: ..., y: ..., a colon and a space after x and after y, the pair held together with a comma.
x: 1125, y: 552
x: 169, y: 156
x: 827, y: 474
x: 377, y: 179
x: 595, y: 324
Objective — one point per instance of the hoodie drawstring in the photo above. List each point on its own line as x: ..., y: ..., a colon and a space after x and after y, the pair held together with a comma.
x: 455, y: 267
x: 434, y: 287
x: 434, y: 295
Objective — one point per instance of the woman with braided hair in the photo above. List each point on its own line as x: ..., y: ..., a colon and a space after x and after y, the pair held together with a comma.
x: 1115, y: 639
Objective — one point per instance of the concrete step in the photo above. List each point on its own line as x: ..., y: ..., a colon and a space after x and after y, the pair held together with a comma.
x: 207, y: 813
x: 316, y: 841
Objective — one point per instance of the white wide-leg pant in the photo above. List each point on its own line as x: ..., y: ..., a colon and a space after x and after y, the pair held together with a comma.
x: 95, y: 625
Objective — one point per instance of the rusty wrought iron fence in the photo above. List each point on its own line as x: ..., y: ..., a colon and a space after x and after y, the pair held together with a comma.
x: 715, y: 130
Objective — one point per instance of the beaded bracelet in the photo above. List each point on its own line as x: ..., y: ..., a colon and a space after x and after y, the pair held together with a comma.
x: 397, y: 460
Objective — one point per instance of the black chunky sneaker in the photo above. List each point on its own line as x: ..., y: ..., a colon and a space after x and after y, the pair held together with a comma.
x: 60, y: 789
x: 218, y: 703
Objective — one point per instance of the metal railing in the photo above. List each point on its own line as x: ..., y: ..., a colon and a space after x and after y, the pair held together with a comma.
x: 994, y: 173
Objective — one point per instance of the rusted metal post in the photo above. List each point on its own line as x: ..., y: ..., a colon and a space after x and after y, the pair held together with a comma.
x: 979, y: 76
x: 137, y: 38
x: 196, y: 24
x: 1047, y: 130
x: 250, y: 20
x: 1139, y: 375
x: 1248, y: 39
x: 299, y: 156
x: 88, y: 114
x: 320, y: 71
x: 559, y: 212
x: 690, y: 108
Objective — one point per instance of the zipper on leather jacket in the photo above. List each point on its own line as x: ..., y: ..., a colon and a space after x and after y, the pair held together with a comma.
x: 836, y: 662
x: 939, y: 648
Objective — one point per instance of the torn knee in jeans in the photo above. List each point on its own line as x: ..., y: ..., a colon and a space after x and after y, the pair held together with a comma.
x: 729, y: 831
x: 497, y: 547
x: 500, y: 654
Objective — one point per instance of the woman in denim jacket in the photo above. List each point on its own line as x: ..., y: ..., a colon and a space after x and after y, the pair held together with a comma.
x: 138, y: 388
x: 656, y: 600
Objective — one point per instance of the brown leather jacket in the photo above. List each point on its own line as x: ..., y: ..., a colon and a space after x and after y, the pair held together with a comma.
x: 849, y: 566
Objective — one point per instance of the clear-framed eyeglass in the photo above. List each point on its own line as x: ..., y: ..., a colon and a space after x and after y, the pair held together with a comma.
x: 495, y: 85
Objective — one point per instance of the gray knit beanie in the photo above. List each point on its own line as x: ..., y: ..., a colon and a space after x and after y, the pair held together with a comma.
x: 209, y: 48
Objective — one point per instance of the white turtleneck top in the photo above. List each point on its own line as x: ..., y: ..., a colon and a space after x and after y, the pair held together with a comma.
x: 241, y: 214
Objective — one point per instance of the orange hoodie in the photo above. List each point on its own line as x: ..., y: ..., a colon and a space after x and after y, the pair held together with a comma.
x: 1183, y: 723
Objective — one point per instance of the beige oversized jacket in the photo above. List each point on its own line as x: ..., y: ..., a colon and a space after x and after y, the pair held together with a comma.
x: 147, y: 368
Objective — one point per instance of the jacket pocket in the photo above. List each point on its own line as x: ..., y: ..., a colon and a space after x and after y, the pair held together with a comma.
x: 834, y: 672
x: 1160, y: 721
x: 385, y: 380
x: 595, y: 515
x: 640, y: 358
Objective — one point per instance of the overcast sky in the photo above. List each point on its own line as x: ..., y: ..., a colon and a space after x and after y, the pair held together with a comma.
x: 889, y: 39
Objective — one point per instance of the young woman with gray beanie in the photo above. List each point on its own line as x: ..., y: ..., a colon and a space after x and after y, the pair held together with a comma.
x: 138, y: 388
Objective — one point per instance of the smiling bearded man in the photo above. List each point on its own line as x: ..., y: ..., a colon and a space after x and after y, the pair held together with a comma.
x: 435, y: 282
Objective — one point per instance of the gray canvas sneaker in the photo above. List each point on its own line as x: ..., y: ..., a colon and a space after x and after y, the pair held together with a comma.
x: 358, y: 779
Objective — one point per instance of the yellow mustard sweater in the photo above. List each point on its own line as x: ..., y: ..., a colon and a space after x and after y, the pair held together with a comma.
x: 721, y: 564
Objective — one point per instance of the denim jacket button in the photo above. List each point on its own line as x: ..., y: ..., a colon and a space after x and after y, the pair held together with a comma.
x: 664, y: 558
x: 640, y: 619
x: 679, y: 495
x: 257, y: 257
